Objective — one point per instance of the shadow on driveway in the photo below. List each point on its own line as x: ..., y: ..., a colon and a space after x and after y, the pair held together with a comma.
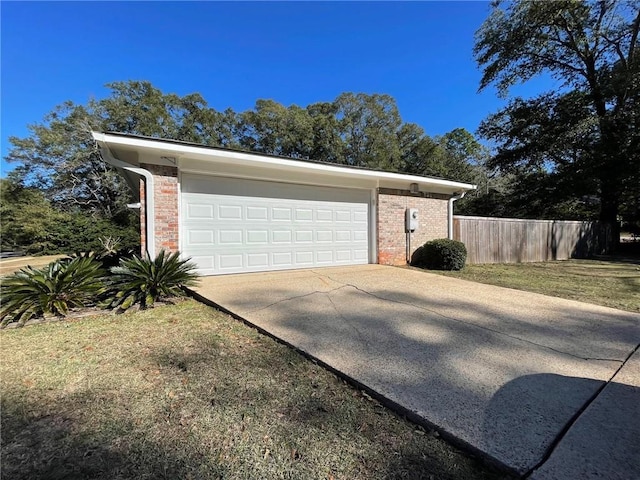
x: 501, y: 371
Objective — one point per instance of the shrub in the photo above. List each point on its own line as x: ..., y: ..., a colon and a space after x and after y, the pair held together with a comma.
x: 442, y: 254
x: 143, y: 281
x: 110, y: 254
x: 72, y: 232
x: 54, y: 289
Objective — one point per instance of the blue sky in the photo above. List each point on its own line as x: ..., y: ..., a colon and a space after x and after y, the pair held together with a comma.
x: 235, y: 53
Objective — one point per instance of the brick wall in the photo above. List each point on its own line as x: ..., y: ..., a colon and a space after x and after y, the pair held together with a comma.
x: 432, y: 209
x: 166, y: 207
x: 392, y: 238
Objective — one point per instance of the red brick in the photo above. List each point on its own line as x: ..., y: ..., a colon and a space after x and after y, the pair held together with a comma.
x: 166, y: 207
x: 392, y: 238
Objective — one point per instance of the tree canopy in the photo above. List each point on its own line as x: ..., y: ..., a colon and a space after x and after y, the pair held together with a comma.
x: 355, y: 129
x: 59, y: 159
x: 582, y: 138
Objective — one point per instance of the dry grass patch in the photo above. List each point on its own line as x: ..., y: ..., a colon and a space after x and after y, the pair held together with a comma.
x: 12, y: 265
x: 612, y: 283
x: 184, y: 391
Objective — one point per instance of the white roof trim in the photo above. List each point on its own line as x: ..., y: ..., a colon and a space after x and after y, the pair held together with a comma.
x: 255, y: 159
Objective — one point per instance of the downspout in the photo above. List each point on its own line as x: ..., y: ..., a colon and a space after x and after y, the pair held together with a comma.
x: 149, y: 202
x: 452, y: 199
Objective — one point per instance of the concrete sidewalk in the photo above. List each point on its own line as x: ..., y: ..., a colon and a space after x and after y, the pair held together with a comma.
x: 505, y: 372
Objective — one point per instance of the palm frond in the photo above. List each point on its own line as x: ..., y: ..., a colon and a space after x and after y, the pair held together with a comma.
x: 54, y: 289
x: 143, y: 280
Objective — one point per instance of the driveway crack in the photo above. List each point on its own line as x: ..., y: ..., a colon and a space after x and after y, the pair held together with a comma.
x: 345, y: 320
x: 576, y: 417
x: 464, y: 322
x: 288, y: 299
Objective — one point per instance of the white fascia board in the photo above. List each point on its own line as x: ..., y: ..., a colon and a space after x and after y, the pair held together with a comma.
x: 214, y: 155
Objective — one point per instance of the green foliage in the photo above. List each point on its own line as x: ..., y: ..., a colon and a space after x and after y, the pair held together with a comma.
x: 275, y: 129
x: 143, y: 281
x: 32, y: 224
x: 54, y: 289
x: 80, y: 232
x: 586, y: 133
x: 530, y: 194
x: 441, y: 254
x: 108, y: 257
x: 27, y: 217
x: 368, y: 126
x: 81, y: 198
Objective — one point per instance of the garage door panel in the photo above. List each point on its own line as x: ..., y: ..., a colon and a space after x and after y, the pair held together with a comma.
x: 200, y: 237
x: 361, y: 256
x: 324, y: 236
x: 343, y: 255
x: 198, y: 211
x: 257, y: 237
x: 324, y: 257
x: 359, y: 236
x: 204, y: 262
x: 343, y: 216
x: 231, y: 261
x: 280, y: 214
x: 304, y: 236
x: 304, y: 258
x: 230, y: 212
x: 304, y: 215
x: 343, y: 236
x: 281, y: 236
x: 323, y: 215
x: 230, y: 237
x: 226, y: 233
x: 257, y: 260
x: 360, y: 217
x: 257, y: 213
x: 282, y: 259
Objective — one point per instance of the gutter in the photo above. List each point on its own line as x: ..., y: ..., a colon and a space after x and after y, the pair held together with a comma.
x: 148, y: 191
x: 276, y: 163
x: 452, y: 199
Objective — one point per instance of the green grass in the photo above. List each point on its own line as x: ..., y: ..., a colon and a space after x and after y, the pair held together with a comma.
x: 183, y: 391
x: 614, y: 283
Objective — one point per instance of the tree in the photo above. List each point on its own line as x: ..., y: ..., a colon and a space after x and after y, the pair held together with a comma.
x: 30, y: 223
x: 275, y: 129
x: 588, y: 129
x: 327, y: 140
x: 368, y: 127
x: 59, y: 159
x: 27, y: 216
x: 456, y: 155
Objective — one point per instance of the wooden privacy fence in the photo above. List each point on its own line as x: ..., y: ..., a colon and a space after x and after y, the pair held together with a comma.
x: 510, y: 240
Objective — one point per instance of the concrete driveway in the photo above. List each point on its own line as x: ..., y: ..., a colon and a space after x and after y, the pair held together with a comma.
x: 544, y: 386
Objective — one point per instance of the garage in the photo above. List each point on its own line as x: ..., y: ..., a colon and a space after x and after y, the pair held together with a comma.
x: 232, y: 211
x: 231, y: 225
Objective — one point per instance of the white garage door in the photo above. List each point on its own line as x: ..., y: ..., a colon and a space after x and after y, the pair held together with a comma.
x: 235, y: 225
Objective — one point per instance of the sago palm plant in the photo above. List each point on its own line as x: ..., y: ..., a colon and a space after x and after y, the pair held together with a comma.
x: 54, y: 289
x: 143, y: 281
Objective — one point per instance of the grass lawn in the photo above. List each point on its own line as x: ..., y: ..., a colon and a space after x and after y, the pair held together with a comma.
x: 184, y: 391
x: 612, y: 283
x: 11, y: 265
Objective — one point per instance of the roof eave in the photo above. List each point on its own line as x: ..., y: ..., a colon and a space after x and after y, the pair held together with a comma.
x: 164, y: 148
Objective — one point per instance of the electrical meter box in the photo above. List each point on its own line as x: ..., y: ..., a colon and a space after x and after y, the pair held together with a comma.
x: 411, y: 219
